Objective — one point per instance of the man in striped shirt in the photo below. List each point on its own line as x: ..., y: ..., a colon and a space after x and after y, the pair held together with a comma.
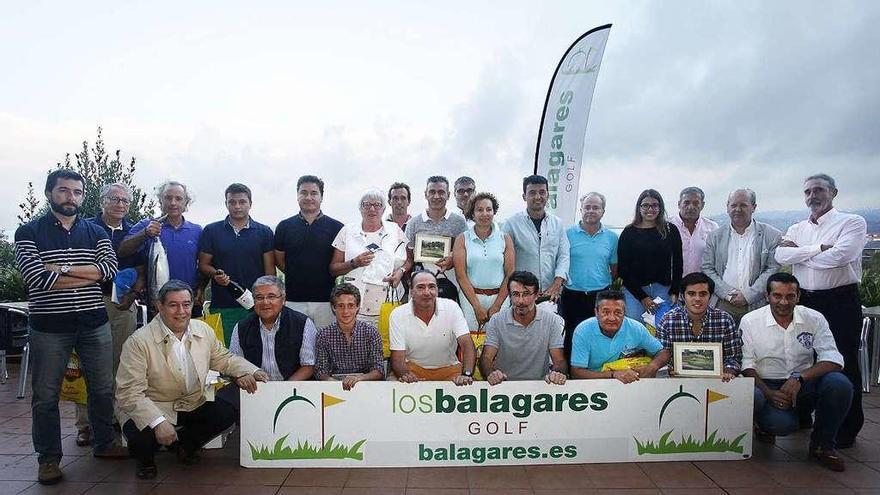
x: 63, y: 259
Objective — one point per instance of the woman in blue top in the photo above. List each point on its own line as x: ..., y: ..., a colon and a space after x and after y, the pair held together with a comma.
x: 483, y: 257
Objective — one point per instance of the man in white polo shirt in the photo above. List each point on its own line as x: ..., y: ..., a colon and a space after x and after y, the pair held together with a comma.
x: 780, y: 341
x: 426, y: 333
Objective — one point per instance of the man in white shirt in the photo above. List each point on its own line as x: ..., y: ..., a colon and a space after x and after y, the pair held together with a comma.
x: 694, y: 229
x: 740, y: 258
x: 425, y: 334
x: 160, y: 385
x: 779, y: 342
x: 825, y: 254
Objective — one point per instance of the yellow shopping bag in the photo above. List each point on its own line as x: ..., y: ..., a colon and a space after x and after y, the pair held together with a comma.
x: 391, y: 301
x: 73, y: 387
x: 479, y: 338
x: 214, y: 321
x: 627, y: 363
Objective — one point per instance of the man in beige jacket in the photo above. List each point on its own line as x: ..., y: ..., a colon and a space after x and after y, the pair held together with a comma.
x: 160, y: 384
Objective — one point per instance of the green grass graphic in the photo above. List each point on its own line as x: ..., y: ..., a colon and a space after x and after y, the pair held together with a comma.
x: 688, y: 444
x: 304, y: 450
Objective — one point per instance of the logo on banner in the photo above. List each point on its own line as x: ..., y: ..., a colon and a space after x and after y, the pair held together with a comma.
x: 577, y: 63
x: 326, y: 449
x: 710, y: 443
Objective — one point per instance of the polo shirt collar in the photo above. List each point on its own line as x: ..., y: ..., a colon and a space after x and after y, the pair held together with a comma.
x: 301, y: 217
x: 510, y: 320
x: 412, y: 308
x: 601, y: 230
x: 183, y: 224
x: 246, y: 226
x: 445, y: 215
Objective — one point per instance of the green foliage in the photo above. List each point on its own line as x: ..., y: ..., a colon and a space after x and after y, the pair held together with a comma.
x: 98, y: 168
x: 307, y: 451
x: 869, y: 289
x: 12, y: 287
x: 711, y: 444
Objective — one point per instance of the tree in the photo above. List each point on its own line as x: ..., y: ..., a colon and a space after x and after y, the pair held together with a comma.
x: 98, y: 168
x: 12, y: 287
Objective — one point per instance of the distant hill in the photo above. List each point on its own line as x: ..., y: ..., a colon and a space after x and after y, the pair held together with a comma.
x: 783, y: 219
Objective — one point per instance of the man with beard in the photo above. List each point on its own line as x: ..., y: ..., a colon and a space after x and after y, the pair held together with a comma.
x: 825, y: 254
x: 522, y: 340
x: 63, y: 259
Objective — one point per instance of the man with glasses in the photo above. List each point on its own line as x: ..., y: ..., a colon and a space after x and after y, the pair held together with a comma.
x: 464, y: 189
x: 303, y: 251
x: 274, y: 337
x: 522, y: 340
x: 115, y: 202
x: 236, y: 249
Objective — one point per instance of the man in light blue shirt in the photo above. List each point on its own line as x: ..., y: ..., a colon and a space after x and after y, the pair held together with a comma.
x: 539, y: 239
x: 610, y: 336
x: 593, y: 250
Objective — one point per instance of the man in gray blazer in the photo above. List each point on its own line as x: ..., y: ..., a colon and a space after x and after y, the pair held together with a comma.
x: 740, y: 258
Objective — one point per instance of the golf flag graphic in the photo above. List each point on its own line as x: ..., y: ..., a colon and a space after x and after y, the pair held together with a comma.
x: 711, y: 396
x: 327, y: 401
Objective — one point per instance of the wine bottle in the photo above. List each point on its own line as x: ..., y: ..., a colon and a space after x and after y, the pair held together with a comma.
x: 242, y: 296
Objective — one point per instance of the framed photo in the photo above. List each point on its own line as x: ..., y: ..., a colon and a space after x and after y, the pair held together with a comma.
x: 697, y: 359
x: 431, y: 248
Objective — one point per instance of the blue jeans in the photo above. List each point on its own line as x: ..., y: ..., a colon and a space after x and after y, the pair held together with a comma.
x: 634, y: 308
x: 830, y: 395
x: 50, y: 353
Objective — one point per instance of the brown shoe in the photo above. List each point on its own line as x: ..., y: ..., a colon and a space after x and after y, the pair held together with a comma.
x: 49, y: 473
x: 828, y: 458
x: 114, y: 451
x: 84, y: 437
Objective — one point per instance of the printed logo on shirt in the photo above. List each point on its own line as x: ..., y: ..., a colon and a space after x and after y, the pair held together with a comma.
x: 806, y: 340
x: 633, y: 352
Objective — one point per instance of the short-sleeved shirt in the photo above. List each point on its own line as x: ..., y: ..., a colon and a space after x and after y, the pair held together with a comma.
x: 307, y: 251
x: 433, y: 345
x: 181, y: 246
x: 591, y: 349
x: 591, y: 256
x: 117, y: 235
x: 450, y: 226
x: 524, y: 351
x: 238, y: 254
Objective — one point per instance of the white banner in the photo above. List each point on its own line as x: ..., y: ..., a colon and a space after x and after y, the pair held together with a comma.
x: 564, y: 121
x: 391, y: 424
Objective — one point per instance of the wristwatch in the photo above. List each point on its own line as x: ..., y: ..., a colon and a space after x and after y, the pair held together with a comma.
x: 64, y: 269
x: 796, y: 375
x: 469, y: 374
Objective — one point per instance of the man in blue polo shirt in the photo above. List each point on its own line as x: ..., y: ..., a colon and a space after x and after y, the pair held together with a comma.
x: 179, y: 237
x: 610, y: 336
x: 303, y: 250
x: 593, y: 265
x: 235, y: 249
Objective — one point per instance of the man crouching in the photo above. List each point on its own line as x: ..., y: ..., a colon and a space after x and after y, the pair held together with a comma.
x: 160, y: 385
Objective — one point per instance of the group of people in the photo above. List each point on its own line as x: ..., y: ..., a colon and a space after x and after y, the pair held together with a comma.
x: 321, y: 321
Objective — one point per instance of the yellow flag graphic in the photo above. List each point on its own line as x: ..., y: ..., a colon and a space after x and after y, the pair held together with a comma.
x: 714, y: 396
x: 329, y: 400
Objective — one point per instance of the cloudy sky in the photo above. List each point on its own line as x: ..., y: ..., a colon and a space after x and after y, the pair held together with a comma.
x: 715, y: 94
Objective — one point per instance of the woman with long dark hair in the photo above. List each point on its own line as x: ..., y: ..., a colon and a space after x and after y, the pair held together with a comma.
x: 649, y: 256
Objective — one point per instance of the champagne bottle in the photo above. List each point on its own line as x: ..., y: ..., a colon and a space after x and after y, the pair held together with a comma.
x: 242, y: 296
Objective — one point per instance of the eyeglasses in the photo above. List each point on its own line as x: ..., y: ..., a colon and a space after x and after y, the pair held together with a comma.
x: 118, y: 200
x: 650, y: 207
x: 267, y: 298
x: 374, y: 206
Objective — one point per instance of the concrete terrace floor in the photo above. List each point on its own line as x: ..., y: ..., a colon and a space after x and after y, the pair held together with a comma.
x: 774, y: 469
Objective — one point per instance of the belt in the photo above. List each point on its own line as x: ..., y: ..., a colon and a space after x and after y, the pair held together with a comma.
x: 487, y: 292
x: 587, y: 292
x: 842, y: 290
